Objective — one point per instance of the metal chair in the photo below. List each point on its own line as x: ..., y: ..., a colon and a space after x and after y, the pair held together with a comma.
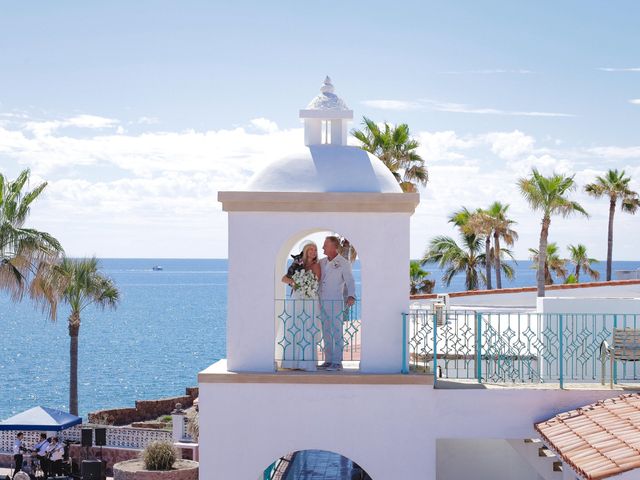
x: 625, y: 348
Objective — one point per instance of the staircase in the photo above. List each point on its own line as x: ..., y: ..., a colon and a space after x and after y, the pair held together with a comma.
x: 542, y: 459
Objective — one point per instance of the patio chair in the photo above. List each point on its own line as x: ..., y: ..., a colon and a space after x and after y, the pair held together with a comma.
x: 625, y: 347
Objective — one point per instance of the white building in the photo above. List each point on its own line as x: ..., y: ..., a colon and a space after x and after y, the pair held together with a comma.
x: 394, y: 425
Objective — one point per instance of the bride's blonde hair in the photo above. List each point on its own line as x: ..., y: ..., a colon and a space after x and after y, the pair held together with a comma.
x: 305, y: 252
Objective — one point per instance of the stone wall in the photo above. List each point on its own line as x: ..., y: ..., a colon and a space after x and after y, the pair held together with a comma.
x: 144, y: 409
x: 111, y: 455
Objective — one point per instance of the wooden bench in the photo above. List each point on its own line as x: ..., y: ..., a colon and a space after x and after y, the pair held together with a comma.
x: 625, y: 347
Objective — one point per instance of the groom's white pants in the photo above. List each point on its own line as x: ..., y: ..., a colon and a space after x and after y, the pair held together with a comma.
x: 332, y: 334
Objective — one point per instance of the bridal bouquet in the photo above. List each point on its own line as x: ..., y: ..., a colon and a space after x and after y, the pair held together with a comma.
x: 306, y: 283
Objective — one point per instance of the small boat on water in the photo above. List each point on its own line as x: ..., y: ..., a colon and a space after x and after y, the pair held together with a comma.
x: 157, y: 268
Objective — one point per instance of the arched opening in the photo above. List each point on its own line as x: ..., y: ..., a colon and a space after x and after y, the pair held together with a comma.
x: 314, y: 464
x: 317, y: 310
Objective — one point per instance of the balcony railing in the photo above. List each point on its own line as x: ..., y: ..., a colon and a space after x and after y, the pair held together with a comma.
x: 312, y: 332
x: 508, y: 347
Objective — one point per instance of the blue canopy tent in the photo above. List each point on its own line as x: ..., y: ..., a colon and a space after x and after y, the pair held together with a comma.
x: 42, y: 419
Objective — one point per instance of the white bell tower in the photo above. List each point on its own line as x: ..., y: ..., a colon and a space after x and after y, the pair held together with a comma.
x: 326, y: 118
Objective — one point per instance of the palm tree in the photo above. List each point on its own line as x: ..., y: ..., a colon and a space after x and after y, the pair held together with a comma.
x: 578, y: 256
x: 616, y: 186
x: 397, y: 150
x: 23, y: 251
x: 477, y: 223
x: 466, y: 258
x: 549, y: 195
x: 552, y: 263
x: 418, y: 281
x: 79, y: 284
x: 502, y: 229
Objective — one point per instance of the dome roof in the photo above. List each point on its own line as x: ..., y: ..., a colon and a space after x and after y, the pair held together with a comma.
x: 327, y: 100
x: 326, y: 168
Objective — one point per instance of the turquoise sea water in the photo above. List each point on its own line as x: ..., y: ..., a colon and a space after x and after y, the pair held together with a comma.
x: 169, y: 325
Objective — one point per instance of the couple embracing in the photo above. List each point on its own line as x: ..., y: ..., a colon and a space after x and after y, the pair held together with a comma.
x: 327, y: 290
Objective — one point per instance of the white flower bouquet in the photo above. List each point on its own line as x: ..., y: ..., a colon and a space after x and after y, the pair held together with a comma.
x: 306, y: 283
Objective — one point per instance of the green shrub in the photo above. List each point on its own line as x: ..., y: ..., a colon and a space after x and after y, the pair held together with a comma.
x: 159, y: 456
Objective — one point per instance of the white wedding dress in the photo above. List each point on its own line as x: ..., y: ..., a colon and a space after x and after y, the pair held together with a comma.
x: 300, y: 333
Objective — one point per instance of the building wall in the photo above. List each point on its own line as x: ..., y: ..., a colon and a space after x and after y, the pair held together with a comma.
x: 527, y: 299
x: 589, y: 305
x: 389, y: 430
x: 480, y: 459
x: 259, y: 245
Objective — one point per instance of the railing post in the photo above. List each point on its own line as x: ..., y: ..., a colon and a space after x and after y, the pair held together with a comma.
x: 614, y: 371
x: 405, y: 341
x: 561, y: 353
x: 479, y: 347
x: 435, y: 349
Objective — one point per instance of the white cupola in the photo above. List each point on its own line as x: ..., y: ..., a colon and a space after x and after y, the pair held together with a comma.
x: 326, y: 118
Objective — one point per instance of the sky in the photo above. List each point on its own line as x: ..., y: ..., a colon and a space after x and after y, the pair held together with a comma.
x: 138, y: 113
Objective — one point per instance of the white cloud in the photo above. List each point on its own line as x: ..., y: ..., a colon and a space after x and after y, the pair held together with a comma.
x: 635, y: 101
x: 264, y: 125
x: 510, y: 145
x: 145, y: 194
x: 615, y: 152
x: 624, y: 69
x: 41, y: 128
x: 148, y: 120
x: 436, y: 146
x: 463, y: 108
x: 404, y: 105
x: 398, y: 105
x: 489, y: 71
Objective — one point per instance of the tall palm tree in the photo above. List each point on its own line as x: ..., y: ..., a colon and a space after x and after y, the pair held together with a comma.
x: 477, y: 223
x: 553, y: 263
x: 578, y: 256
x: 548, y: 195
x: 502, y: 229
x: 23, y: 250
x: 418, y: 281
x: 465, y: 258
x: 397, y: 150
x: 79, y: 284
x: 614, y: 185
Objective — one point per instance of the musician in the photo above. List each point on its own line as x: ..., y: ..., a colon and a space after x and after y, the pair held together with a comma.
x: 40, y: 449
x: 17, y: 453
x: 55, y: 452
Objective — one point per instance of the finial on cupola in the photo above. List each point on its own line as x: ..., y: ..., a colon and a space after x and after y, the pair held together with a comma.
x: 326, y: 118
x: 327, y: 86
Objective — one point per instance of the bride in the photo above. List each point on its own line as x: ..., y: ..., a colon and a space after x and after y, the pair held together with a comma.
x: 301, y: 331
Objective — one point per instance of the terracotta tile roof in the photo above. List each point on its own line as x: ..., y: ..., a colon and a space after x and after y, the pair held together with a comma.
x: 599, y: 440
x: 569, y: 286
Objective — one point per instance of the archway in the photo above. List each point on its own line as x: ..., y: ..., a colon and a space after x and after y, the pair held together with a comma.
x: 313, y: 464
x: 317, y: 331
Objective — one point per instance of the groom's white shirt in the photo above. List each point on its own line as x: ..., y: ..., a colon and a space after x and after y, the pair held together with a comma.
x: 335, y: 276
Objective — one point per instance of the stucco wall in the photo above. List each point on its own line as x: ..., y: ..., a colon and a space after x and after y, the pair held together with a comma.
x: 259, y: 244
x: 459, y: 459
x: 589, y: 305
x: 389, y: 430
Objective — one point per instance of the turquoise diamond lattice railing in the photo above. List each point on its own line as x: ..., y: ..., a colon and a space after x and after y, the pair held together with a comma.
x: 310, y: 332
x: 510, y: 347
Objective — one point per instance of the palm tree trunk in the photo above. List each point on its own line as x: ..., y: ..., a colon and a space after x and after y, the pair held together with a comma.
x: 74, y: 330
x: 487, y: 260
x: 542, y: 254
x: 496, y: 259
x: 578, y: 273
x: 612, y: 211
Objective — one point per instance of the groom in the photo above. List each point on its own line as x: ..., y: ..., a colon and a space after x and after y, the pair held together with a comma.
x: 337, y: 293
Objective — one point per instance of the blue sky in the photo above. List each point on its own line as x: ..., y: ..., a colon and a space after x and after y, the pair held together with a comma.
x: 137, y: 113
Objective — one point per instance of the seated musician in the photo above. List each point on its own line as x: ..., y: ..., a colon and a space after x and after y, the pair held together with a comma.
x: 55, y: 452
x: 40, y: 449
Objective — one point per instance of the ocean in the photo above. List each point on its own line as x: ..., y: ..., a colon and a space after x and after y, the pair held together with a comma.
x: 169, y: 325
